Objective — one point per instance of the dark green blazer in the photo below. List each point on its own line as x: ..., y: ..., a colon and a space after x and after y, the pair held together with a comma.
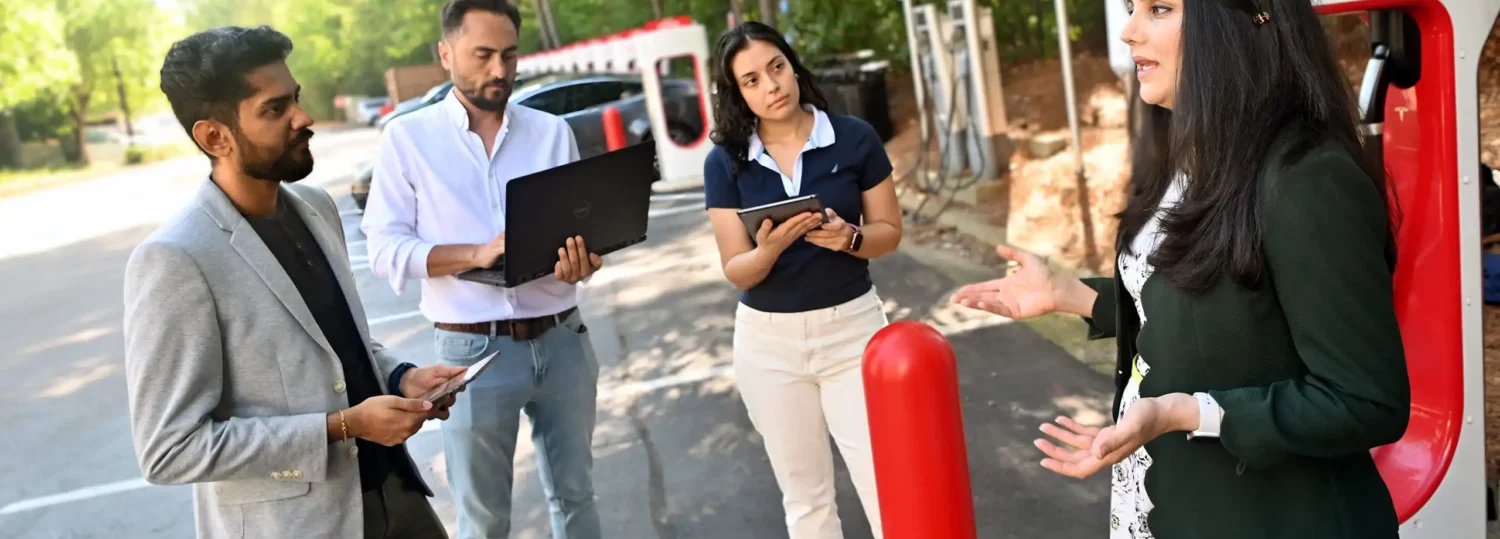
x: 1308, y: 366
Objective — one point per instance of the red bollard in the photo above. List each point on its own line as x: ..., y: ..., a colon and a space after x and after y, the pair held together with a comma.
x: 917, y: 434
x: 614, y: 129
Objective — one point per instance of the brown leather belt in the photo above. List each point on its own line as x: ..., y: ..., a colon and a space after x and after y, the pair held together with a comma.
x: 521, y: 329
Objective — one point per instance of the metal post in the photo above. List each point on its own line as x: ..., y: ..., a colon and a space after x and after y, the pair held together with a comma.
x: 1065, y: 51
x: 1085, y: 210
x: 914, y: 46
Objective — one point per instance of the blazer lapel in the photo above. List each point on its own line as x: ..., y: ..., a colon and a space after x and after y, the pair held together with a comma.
x: 248, y: 244
x: 335, y: 251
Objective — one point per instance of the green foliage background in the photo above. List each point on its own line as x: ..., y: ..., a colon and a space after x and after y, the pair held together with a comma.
x: 57, y: 57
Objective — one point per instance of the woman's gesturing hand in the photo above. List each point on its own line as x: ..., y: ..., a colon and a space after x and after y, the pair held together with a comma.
x: 1029, y: 291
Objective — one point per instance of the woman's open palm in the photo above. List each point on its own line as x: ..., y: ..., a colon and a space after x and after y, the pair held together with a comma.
x: 1027, y: 292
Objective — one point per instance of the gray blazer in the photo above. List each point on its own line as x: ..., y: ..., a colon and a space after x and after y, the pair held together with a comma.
x: 230, y: 378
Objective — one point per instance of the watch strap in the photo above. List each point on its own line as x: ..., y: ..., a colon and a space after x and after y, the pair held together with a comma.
x: 854, y: 239
x: 1210, y: 416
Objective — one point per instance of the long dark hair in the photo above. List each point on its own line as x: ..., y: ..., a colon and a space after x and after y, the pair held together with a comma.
x: 1241, y: 86
x: 734, y: 122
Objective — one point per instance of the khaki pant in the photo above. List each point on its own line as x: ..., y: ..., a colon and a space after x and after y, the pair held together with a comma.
x: 800, y: 377
x: 396, y: 512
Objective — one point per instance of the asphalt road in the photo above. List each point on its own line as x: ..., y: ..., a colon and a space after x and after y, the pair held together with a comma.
x: 675, y: 454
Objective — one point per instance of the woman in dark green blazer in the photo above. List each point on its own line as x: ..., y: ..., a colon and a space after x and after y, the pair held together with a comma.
x: 1259, y: 355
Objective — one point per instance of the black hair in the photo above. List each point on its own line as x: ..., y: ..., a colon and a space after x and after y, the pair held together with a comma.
x: 734, y: 122
x: 1245, y: 81
x: 204, y: 75
x: 454, y: 11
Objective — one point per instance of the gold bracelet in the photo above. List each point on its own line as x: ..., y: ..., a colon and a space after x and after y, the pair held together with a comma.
x: 343, y: 427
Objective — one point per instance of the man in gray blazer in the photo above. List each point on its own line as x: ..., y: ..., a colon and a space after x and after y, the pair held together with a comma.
x: 249, y: 362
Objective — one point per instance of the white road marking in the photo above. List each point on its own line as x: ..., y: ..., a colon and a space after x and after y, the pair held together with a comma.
x: 356, y: 243
x: 674, y: 211
x: 347, y: 213
x: 360, y: 258
x: 681, y: 196
x: 75, y: 496
x: 360, y: 266
x: 394, y: 318
x: 642, y: 387
x: 628, y: 389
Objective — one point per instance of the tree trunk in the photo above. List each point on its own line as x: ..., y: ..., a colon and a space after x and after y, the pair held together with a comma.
x: 124, y: 103
x: 736, y: 13
x: 768, y: 12
x: 74, y: 149
x: 656, y: 9
x: 549, y: 22
x: 10, y: 142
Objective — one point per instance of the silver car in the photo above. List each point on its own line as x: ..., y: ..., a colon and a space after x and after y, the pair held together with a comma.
x: 581, y: 101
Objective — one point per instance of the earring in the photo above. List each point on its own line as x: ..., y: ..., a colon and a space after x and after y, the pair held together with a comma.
x: 1262, y: 18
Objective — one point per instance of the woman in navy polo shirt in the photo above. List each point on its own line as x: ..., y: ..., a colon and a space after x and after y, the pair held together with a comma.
x: 808, y: 305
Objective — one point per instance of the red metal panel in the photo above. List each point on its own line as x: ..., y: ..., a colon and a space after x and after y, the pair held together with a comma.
x: 1421, y: 156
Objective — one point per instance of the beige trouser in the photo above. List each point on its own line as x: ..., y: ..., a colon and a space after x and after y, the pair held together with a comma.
x: 799, y: 375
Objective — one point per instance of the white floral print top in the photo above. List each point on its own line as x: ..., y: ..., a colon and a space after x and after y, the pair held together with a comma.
x: 1128, y: 502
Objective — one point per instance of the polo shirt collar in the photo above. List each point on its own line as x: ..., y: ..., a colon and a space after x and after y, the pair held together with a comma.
x: 821, y: 137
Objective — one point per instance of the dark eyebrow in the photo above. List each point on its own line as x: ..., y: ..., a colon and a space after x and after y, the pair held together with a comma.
x: 281, y: 99
x: 482, y: 48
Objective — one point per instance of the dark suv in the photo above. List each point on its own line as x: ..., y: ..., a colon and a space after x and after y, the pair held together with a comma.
x: 581, y: 100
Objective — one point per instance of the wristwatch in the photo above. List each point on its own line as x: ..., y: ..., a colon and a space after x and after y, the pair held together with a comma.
x: 855, y: 241
x: 1210, y: 417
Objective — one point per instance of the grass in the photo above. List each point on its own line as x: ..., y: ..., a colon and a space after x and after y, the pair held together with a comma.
x: 45, y: 167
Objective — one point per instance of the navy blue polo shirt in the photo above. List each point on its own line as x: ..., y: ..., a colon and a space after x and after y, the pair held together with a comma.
x: 843, y: 159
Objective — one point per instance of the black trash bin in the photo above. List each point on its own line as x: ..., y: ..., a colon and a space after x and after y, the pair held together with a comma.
x: 858, y: 90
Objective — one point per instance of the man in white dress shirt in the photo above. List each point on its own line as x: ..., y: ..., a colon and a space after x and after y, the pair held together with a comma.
x: 436, y: 208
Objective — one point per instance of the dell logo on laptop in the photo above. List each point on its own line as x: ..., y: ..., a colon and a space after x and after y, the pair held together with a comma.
x: 582, y: 210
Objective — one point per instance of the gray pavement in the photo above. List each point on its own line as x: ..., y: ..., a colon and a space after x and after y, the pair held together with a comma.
x: 675, y: 454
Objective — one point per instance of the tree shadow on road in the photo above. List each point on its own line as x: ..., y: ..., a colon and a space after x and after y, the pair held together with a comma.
x: 698, y: 468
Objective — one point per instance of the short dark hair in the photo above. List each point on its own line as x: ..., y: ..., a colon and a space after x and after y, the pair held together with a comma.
x: 204, y: 75
x: 454, y: 11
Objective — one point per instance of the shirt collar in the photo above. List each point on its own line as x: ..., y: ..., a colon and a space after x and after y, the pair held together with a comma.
x: 821, y: 137
x: 460, y: 115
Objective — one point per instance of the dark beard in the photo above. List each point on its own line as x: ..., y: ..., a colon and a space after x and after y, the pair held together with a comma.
x: 475, y: 97
x: 286, y: 165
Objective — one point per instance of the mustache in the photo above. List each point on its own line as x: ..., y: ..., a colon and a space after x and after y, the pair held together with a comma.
x: 498, y: 83
x: 303, y: 135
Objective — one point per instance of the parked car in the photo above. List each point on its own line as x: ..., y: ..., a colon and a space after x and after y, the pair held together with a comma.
x: 581, y: 101
x: 368, y: 111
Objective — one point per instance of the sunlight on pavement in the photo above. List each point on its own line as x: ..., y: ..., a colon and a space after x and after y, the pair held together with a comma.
x: 66, y: 386
x: 145, y: 195
x: 81, y: 336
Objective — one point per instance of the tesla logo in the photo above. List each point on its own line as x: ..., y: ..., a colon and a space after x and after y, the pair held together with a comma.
x: 582, y: 209
x: 1402, y: 112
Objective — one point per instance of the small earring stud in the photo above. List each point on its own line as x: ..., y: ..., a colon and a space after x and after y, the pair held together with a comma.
x: 1262, y: 18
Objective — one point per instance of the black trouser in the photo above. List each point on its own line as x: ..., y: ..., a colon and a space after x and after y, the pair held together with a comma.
x: 395, y: 511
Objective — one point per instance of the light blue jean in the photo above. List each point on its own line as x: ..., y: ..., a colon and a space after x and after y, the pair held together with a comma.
x: 553, y: 378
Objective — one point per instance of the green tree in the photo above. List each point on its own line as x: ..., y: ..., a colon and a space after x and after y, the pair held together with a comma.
x: 34, y: 61
x: 113, y: 43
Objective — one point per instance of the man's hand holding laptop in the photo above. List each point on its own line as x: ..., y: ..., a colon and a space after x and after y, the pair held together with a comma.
x: 575, y: 263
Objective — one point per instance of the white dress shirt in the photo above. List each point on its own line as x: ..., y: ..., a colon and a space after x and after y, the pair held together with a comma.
x: 435, y: 185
